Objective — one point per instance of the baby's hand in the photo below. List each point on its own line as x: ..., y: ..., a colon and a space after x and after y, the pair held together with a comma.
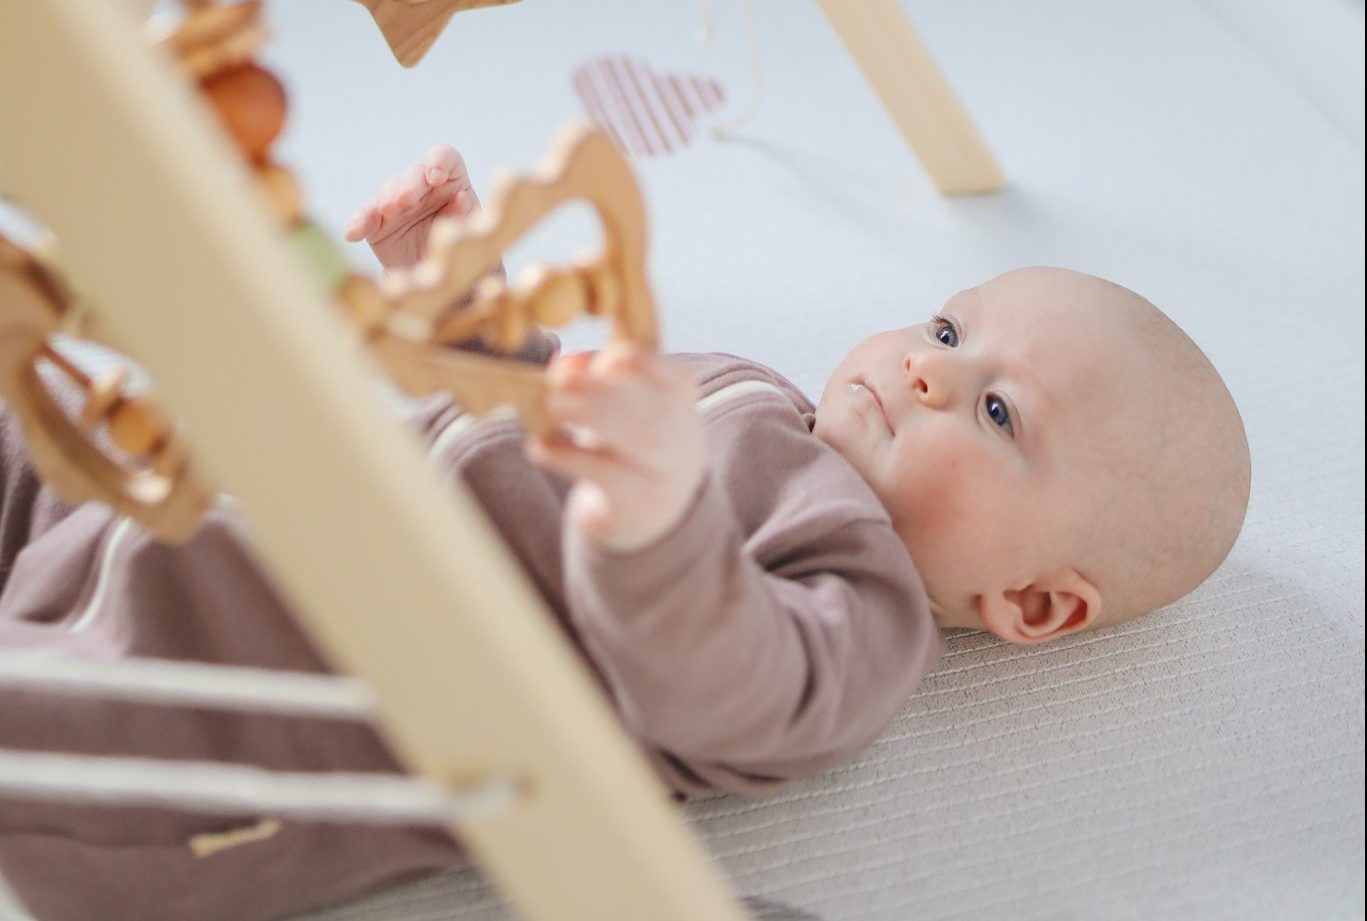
x: 638, y: 452
x: 397, y: 222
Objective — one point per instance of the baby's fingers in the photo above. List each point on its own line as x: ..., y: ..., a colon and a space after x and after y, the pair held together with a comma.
x: 403, y: 191
x: 443, y: 162
x: 615, y: 412
x: 574, y: 461
x: 362, y: 224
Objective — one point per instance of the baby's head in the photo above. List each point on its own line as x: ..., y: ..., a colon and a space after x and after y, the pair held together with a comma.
x: 1056, y: 454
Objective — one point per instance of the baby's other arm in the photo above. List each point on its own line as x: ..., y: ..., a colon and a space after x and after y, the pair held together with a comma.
x: 397, y: 223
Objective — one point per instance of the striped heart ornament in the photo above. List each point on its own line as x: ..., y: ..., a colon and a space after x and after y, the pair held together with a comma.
x: 646, y: 113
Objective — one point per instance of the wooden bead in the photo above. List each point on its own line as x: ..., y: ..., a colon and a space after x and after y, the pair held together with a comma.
x: 282, y: 192
x: 137, y: 427
x: 363, y: 302
x: 443, y: 234
x: 556, y: 297
x: 171, y: 458
x: 251, y: 105
x: 513, y: 328
x: 105, y: 392
x: 605, y: 294
x: 231, y: 51
x: 216, y: 36
x: 321, y: 255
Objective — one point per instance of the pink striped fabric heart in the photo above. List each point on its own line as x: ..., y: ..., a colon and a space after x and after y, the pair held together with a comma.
x: 646, y: 113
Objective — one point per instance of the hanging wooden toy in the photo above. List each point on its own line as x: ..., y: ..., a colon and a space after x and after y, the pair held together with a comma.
x: 409, y: 318
x: 123, y: 451
x: 153, y: 481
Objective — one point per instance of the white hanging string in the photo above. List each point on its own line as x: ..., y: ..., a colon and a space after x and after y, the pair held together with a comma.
x: 155, y: 681
x: 206, y: 787
x: 709, y: 30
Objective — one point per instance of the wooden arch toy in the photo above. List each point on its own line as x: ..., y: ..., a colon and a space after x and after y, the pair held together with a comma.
x: 155, y: 484
x: 414, y: 315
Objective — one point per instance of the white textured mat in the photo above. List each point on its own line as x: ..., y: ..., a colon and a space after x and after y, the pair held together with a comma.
x: 1204, y: 762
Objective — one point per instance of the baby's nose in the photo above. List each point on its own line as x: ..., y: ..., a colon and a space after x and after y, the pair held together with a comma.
x: 927, y: 380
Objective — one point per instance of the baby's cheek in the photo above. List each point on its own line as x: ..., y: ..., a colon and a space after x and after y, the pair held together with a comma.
x: 943, y: 489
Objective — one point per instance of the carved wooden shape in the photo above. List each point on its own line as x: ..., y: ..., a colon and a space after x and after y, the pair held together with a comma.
x: 411, y: 26
x: 164, y: 496
x: 410, y: 319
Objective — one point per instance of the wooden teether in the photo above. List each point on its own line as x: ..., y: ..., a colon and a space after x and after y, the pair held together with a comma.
x: 409, y: 319
x: 159, y: 490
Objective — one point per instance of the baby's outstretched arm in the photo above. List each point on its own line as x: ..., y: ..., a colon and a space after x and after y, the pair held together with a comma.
x: 397, y: 222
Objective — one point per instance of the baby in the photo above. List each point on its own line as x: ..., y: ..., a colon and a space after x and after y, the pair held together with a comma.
x: 755, y: 581
x: 1054, y: 453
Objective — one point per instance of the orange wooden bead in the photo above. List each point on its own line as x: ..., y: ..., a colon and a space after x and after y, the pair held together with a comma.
x: 555, y: 296
x: 251, y: 105
x: 105, y: 392
x: 137, y: 428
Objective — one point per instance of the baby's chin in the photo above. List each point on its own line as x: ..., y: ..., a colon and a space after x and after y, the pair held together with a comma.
x: 838, y: 434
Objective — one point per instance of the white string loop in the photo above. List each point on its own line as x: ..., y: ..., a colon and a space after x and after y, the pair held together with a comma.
x: 195, y: 786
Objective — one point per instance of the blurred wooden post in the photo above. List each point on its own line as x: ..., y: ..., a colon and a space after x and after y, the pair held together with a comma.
x: 916, y: 94
x: 396, y: 575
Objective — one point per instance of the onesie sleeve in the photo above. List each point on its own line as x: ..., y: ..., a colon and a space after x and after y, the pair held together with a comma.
x: 748, y: 677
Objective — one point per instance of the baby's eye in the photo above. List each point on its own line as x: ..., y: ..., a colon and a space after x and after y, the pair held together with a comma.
x: 998, y: 413
x: 945, y: 331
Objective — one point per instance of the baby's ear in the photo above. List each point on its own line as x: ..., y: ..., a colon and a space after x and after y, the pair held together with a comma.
x: 1062, y: 603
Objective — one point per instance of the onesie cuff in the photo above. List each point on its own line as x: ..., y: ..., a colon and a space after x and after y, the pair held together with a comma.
x: 702, y: 527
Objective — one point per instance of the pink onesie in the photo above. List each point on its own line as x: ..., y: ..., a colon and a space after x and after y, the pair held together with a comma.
x: 772, y: 634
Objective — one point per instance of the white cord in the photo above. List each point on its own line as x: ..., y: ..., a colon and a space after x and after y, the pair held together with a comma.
x: 157, y: 681
x: 720, y: 130
x: 206, y: 787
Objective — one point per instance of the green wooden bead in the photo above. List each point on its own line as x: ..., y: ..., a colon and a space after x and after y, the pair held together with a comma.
x: 321, y: 255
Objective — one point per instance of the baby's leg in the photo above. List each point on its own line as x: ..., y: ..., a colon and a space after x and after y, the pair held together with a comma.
x: 95, y: 587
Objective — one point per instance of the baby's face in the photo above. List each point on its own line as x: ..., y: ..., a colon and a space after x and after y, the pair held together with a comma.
x: 976, y: 427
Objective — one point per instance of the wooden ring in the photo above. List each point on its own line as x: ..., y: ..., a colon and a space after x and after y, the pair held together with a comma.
x: 170, y: 504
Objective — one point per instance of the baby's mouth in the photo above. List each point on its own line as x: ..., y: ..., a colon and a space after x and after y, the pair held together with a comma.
x: 859, y: 387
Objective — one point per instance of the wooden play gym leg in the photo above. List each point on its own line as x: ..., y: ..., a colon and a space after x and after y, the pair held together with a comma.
x: 916, y: 94
x: 395, y: 574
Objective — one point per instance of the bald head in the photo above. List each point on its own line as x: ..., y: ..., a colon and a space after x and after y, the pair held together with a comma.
x: 1168, y: 451
x: 1054, y: 452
